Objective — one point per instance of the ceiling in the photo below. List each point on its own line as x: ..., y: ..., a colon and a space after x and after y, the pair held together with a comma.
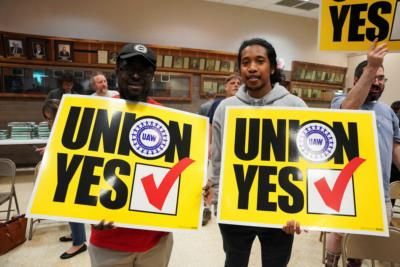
x: 303, y: 8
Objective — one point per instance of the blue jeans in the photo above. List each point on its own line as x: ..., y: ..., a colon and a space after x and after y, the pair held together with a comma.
x: 78, y: 233
x: 276, y: 245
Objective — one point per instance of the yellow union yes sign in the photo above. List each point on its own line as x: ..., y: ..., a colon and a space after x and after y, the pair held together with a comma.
x: 351, y: 25
x: 139, y: 165
x: 317, y: 166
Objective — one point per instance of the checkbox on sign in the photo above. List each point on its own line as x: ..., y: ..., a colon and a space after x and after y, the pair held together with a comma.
x: 142, y: 200
x: 320, y: 202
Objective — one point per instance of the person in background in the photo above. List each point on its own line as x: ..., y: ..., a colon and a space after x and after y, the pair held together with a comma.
x: 231, y: 86
x: 99, y: 83
x: 205, y: 107
x: 369, y: 83
x: 258, y: 69
x: 394, y: 171
x: 66, y: 86
x: 396, y: 108
x: 116, y: 246
x: 78, y: 234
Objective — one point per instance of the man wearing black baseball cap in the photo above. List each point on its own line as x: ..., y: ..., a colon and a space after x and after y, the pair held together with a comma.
x: 136, y: 64
x: 115, y: 246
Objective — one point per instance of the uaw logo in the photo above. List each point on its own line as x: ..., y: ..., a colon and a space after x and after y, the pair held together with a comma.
x: 149, y: 137
x: 141, y: 48
x: 316, y: 142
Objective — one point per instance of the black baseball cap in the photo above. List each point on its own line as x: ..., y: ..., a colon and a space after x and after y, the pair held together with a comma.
x: 133, y: 50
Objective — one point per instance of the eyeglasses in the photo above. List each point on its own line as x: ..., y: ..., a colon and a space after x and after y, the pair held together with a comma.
x: 381, y: 79
x: 142, y: 70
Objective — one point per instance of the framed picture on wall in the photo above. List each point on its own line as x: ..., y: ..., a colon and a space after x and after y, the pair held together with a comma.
x: 167, y: 62
x: 102, y: 56
x: 15, y: 47
x: 64, y: 51
x: 159, y: 61
x: 217, y: 65
x: 202, y: 63
x: 194, y: 63
x: 186, y: 61
x: 210, y: 64
x: 178, y: 62
x: 309, y: 74
x: 316, y: 93
x: 38, y: 49
x: 233, y: 66
x: 221, y: 88
x: 318, y: 75
x: 332, y: 79
x: 296, y: 91
x: 112, y: 57
x: 339, y: 77
x: 225, y: 65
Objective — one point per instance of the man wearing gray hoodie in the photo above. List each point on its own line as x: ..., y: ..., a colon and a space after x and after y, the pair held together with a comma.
x: 261, y: 77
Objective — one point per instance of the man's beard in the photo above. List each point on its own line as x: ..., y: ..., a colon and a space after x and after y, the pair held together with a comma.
x: 142, y: 96
x: 374, y: 93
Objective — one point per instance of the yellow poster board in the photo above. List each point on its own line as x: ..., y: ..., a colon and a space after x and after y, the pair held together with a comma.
x: 136, y: 164
x: 352, y: 25
x: 316, y: 166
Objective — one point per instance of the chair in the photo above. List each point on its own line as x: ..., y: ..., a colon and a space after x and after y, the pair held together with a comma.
x: 32, y: 220
x: 372, y: 247
x: 322, y: 238
x: 394, y: 193
x: 7, y: 176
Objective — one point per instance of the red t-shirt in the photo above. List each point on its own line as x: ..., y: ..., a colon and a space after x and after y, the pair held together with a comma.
x: 126, y: 239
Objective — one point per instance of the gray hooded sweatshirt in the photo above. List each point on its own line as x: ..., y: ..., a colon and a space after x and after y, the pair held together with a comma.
x: 278, y: 96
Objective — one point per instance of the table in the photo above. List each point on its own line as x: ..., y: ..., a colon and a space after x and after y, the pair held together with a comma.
x: 12, y: 142
x: 36, y: 141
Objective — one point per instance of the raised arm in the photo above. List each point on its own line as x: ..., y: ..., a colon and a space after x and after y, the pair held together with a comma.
x: 357, y: 95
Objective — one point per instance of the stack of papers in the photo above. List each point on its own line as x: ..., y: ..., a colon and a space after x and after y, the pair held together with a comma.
x: 3, y: 134
x: 43, y: 130
x: 23, y: 130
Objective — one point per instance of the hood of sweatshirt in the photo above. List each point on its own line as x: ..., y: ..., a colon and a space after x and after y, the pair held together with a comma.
x: 277, y: 92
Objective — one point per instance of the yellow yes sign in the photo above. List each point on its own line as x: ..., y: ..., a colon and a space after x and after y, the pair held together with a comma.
x: 317, y: 166
x: 137, y: 164
x: 351, y: 25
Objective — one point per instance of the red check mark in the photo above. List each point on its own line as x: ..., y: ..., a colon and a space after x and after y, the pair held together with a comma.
x: 333, y: 198
x: 158, y: 195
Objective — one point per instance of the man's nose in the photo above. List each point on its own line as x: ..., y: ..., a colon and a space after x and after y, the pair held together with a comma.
x: 376, y: 81
x: 134, y: 74
x: 252, y: 66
